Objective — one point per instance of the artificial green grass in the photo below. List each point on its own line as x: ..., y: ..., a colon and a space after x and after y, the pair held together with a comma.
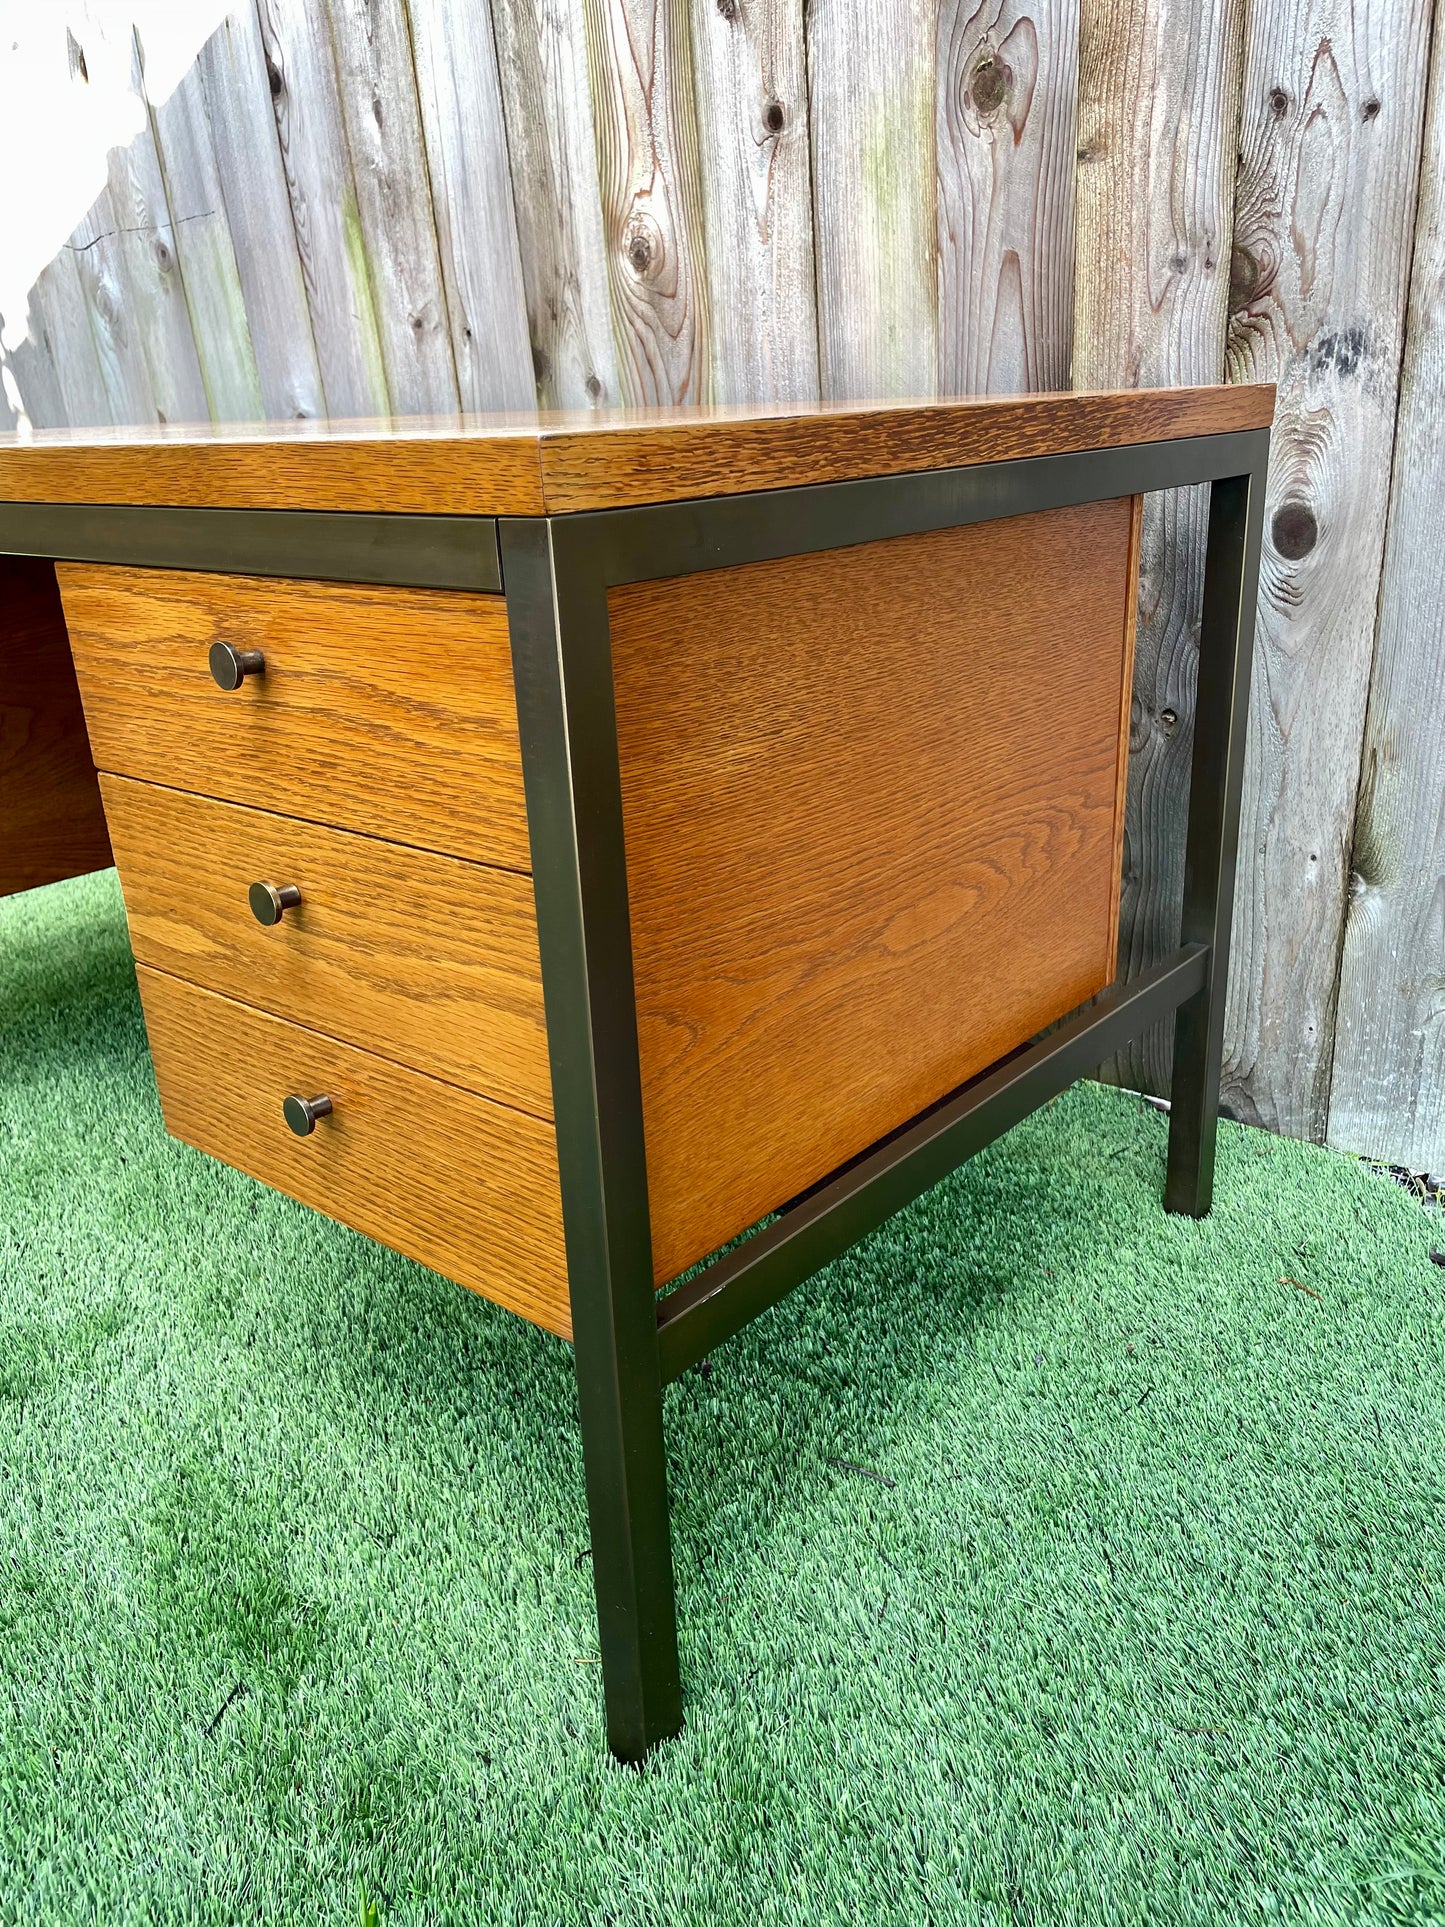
x: 1045, y: 1560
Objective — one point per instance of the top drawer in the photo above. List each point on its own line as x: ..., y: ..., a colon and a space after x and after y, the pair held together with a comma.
x: 384, y: 710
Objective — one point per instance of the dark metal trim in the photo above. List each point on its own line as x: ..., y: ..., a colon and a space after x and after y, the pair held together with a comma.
x: 732, y: 1290
x: 684, y: 538
x: 412, y: 551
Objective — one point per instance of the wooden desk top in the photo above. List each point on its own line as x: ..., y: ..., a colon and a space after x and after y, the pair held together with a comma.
x: 555, y: 464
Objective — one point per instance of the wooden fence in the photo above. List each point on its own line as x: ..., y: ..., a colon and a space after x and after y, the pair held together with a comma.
x: 413, y: 206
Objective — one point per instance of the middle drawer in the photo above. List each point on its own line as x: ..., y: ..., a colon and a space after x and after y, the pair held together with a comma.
x: 428, y: 960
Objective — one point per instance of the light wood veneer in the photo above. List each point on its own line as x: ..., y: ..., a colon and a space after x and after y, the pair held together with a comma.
x: 870, y: 801
x: 461, y: 1184
x: 421, y: 958
x: 389, y: 711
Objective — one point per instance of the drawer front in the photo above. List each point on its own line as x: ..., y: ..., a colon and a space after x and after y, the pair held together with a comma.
x: 384, y: 710
x: 448, y: 1178
x: 421, y: 958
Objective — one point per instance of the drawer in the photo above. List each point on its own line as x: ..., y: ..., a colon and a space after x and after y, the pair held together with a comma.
x: 461, y: 1184
x: 421, y: 958
x: 384, y: 710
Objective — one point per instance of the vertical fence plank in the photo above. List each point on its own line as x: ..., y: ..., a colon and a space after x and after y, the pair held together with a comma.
x: 871, y: 106
x: 1334, y: 95
x: 542, y: 53
x: 58, y: 368
x: 204, y: 250
x: 237, y: 104
x: 296, y: 40
x: 104, y: 288
x: 147, y: 244
x: 1387, y: 1095
x: 1007, y: 100
x: 466, y: 144
x: 1159, y: 98
x: 644, y: 114
x: 393, y: 195
x: 752, y: 110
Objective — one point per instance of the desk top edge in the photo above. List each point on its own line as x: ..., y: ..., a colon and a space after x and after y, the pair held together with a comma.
x: 564, y: 463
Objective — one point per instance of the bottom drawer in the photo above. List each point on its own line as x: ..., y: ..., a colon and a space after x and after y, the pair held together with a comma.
x: 461, y: 1184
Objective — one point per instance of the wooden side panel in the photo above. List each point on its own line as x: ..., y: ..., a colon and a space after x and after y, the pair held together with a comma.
x: 421, y: 958
x: 752, y: 94
x: 1158, y: 123
x: 1006, y: 101
x: 1387, y: 1097
x: 51, y: 821
x: 389, y: 711
x: 869, y: 800
x: 460, y: 1184
x: 1334, y: 98
x: 872, y: 102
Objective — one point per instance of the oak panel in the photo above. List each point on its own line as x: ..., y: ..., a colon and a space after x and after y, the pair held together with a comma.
x: 870, y: 802
x: 458, y: 1183
x: 421, y: 958
x: 557, y: 463
x: 384, y: 710
x: 51, y: 821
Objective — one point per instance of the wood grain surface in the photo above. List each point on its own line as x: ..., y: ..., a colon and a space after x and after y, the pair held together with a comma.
x: 649, y: 176
x: 388, y: 711
x: 460, y: 97
x: 421, y: 958
x: 752, y: 91
x: 559, y: 463
x: 871, y: 85
x: 311, y: 137
x: 458, y: 1183
x: 869, y: 800
x: 1007, y: 84
x: 542, y: 53
x: 1387, y: 1095
x: 1151, y: 291
x: 1334, y: 96
x: 51, y: 821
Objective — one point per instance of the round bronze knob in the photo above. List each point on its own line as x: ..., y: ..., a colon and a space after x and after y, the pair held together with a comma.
x: 230, y: 667
x: 268, y: 904
x: 301, y: 1113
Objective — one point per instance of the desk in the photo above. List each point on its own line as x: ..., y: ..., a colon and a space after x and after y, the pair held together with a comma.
x: 558, y: 847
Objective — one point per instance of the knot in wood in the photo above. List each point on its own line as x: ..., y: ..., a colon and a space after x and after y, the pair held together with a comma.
x: 642, y: 245
x: 730, y: 10
x: 1278, y: 102
x: 989, y: 87
x: 1243, y: 276
x: 774, y: 117
x: 1294, y: 530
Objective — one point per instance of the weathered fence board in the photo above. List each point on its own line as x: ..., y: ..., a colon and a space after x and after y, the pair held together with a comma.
x: 871, y: 103
x: 752, y: 109
x: 59, y: 364
x: 1007, y: 84
x: 311, y: 140
x: 393, y: 197
x: 542, y: 53
x: 159, y: 317
x: 99, y: 264
x: 236, y: 99
x: 466, y: 144
x: 1334, y: 94
x: 208, y: 267
x: 1388, y: 1090
x: 647, y: 162
x: 1159, y: 94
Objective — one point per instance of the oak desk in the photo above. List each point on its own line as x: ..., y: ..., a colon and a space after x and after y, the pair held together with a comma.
x: 554, y: 846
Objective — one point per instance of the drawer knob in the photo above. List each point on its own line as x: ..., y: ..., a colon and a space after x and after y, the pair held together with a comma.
x: 268, y: 904
x: 230, y: 667
x: 301, y: 1113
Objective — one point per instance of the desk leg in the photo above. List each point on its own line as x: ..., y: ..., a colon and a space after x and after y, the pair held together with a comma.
x: 562, y: 666
x: 1226, y: 648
